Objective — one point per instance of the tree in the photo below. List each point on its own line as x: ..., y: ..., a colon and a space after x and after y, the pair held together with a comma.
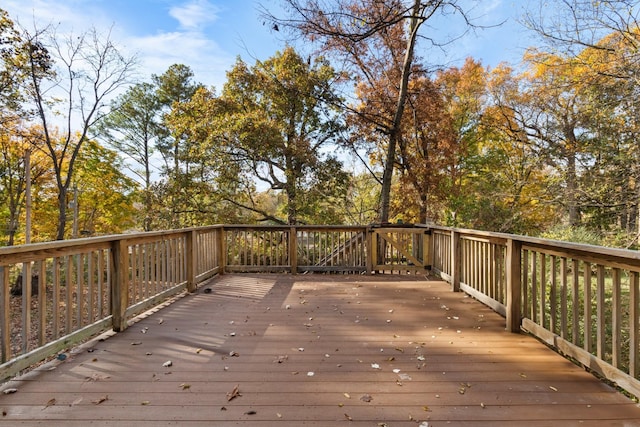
x: 355, y: 31
x: 173, y: 87
x: 132, y: 128
x: 71, y: 77
x: 271, y: 124
x: 12, y: 71
x: 102, y: 196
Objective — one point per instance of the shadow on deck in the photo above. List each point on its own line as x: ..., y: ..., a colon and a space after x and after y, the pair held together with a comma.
x: 316, y: 350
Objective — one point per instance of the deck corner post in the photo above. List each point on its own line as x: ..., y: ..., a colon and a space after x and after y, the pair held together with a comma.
x: 514, y: 285
x: 119, y: 266
x: 293, y: 249
x: 456, y: 261
x: 192, y: 258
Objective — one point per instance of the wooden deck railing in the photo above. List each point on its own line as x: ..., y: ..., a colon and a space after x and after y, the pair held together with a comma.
x: 55, y: 294
x: 582, y: 300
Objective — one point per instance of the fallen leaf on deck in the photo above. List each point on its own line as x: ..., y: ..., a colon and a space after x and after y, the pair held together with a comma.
x: 553, y: 388
x: 281, y: 359
x: 145, y: 402
x: 348, y: 417
x: 51, y: 402
x: 250, y: 413
x: 310, y: 373
x: 167, y: 363
x: 100, y: 400
x: 136, y: 343
x: 375, y: 366
x: 366, y: 398
x: 347, y: 395
x: 160, y: 322
x: 234, y: 393
x: 185, y: 386
x: 76, y: 402
x: 97, y: 377
x: 10, y: 391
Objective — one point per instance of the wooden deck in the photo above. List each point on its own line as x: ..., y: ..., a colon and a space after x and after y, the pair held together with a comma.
x: 321, y: 351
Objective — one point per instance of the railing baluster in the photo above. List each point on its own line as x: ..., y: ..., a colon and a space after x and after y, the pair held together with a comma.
x: 616, y: 320
x: 588, y: 333
x: 601, y: 330
x: 575, y: 302
x: 543, y: 290
x: 634, y: 324
x: 5, y: 315
x: 553, y: 296
x: 564, y: 332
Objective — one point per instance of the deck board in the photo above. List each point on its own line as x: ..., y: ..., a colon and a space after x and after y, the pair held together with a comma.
x: 319, y: 351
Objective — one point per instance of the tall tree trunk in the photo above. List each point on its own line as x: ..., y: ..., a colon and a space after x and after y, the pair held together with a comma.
x: 62, y: 212
x: 394, y: 132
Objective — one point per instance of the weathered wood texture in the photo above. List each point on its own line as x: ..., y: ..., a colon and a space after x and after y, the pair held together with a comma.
x: 319, y: 351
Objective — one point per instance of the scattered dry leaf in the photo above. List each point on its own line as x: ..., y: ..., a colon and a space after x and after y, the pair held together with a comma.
x: 51, y: 402
x: 145, y: 402
x: 347, y: 395
x: 100, y: 400
x: 167, y: 363
x: 136, y: 343
x: 281, y: 359
x: 553, y: 388
x: 366, y: 398
x: 234, y: 393
x: 10, y: 391
x: 348, y: 417
x: 185, y: 386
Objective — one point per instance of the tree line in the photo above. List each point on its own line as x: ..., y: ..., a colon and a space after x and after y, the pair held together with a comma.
x: 545, y: 148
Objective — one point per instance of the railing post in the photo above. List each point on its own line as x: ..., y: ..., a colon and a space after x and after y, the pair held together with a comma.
x: 514, y: 282
x: 222, y: 250
x: 456, y: 261
x: 293, y: 250
x: 427, y: 249
x: 119, y: 261
x: 192, y: 259
x: 370, y: 249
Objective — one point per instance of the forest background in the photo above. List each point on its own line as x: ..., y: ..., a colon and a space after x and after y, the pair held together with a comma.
x: 360, y: 127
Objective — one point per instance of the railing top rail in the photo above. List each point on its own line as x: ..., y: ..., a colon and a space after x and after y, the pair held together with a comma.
x: 52, y: 248
x: 579, y: 249
x: 299, y: 227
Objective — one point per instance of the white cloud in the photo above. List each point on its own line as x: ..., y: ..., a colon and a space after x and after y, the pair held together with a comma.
x: 195, y: 14
x: 201, y: 54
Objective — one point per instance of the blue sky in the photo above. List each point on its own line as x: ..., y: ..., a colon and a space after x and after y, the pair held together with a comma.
x: 208, y: 35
